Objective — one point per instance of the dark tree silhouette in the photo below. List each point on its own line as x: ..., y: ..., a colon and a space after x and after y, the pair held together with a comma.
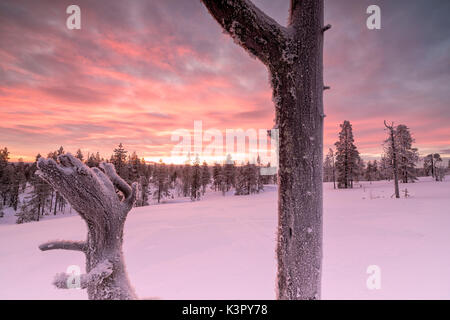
x: 394, y: 156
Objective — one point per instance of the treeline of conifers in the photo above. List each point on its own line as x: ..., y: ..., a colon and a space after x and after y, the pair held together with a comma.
x: 32, y: 198
x: 343, y: 166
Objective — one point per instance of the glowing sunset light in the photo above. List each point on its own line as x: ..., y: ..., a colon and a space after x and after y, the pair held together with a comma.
x: 136, y: 72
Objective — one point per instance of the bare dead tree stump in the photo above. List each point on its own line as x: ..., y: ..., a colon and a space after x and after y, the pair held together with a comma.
x: 91, y: 192
x: 293, y: 56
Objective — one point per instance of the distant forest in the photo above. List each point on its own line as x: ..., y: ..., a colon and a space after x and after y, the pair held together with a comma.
x: 31, y: 198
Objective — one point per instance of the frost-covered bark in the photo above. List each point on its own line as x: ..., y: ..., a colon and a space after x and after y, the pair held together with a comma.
x: 91, y: 192
x: 394, y: 156
x: 293, y: 56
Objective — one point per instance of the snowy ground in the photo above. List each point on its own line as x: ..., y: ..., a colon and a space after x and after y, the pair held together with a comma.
x: 224, y: 247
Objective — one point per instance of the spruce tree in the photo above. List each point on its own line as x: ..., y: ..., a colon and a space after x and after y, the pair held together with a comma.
x: 206, y: 176
x: 186, y: 179
x: 33, y: 206
x: 385, y: 169
x: 407, y: 155
x: 119, y: 159
x: 79, y: 155
x: 333, y: 166
x: 259, y: 177
x: 217, y: 176
x: 17, y: 178
x: 347, y: 157
x: 4, y: 177
x: 135, y: 168
x: 29, y: 210
x: 229, y: 173
x: 57, y: 199
x: 60, y: 151
x: 375, y: 170
x: 246, y: 179
x: 8, y: 185
x: 93, y: 160
x: 328, y: 167
x: 252, y: 178
x: 196, y: 180
x: 430, y: 163
x: 368, y: 174
x: 358, y: 175
x: 240, y: 181
x: 161, y: 182
x: 371, y: 172
x: 4, y: 157
x: 173, y: 175
x: 21, y: 174
x: 142, y: 199
x: 392, y: 153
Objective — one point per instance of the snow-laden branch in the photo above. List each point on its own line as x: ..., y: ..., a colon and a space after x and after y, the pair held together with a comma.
x: 103, y: 270
x: 110, y: 172
x: 90, y: 191
x: 119, y: 183
x: 259, y: 34
x: 65, y: 245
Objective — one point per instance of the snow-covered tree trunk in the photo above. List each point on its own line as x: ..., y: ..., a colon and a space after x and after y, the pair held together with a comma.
x: 293, y: 56
x: 91, y: 192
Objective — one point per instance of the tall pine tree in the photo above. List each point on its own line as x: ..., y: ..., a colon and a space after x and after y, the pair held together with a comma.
x: 161, y: 182
x: 206, y: 176
x: 119, y: 159
x: 347, y: 157
x: 196, y: 180
x: 407, y: 156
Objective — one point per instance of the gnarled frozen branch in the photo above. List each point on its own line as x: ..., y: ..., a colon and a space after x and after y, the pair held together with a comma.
x: 65, y: 245
x: 94, y: 277
x: 259, y: 34
x: 118, y: 182
x: 92, y: 193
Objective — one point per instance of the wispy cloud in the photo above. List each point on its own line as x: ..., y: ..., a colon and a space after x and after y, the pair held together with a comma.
x: 138, y: 70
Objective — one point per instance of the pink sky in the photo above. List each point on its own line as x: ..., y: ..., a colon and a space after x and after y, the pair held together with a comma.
x: 138, y: 70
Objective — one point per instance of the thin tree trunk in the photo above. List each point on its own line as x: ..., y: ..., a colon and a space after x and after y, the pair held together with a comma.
x: 56, y: 203
x: 394, y: 158
x: 397, y: 193
x: 293, y: 56
x: 51, y: 199
x: 432, y: 165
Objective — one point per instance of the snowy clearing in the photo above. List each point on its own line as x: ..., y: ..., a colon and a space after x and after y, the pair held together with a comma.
x: 224, y: 247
